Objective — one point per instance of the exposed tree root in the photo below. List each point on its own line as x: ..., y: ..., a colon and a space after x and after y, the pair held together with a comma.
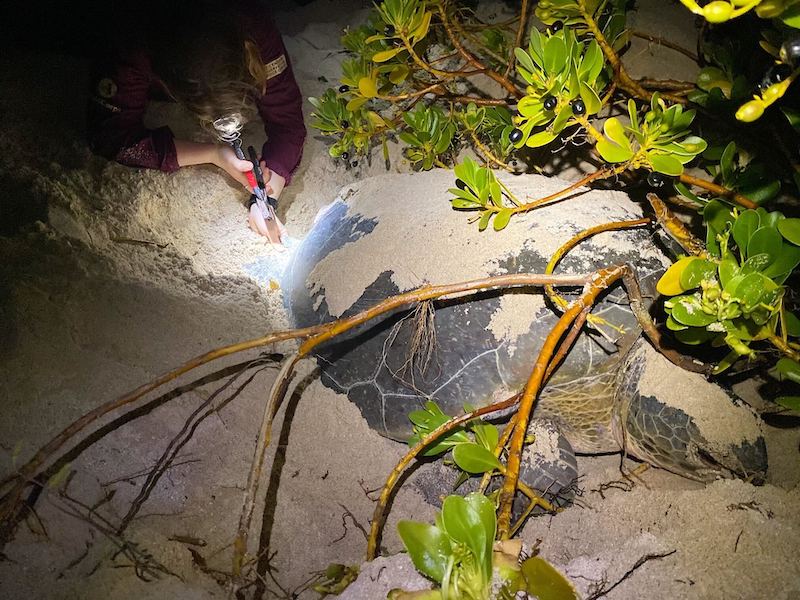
x: 639, y: 563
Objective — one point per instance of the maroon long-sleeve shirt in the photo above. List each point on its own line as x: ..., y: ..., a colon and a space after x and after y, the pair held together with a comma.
x: 123, y: 88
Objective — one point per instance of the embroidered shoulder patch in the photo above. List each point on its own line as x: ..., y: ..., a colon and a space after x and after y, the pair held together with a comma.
x: 275, y: 67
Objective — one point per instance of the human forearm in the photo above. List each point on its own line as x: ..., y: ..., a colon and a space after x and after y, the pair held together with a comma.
x: 196, y: 153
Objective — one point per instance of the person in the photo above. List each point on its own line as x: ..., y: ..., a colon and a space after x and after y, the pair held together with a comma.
x: 217, y: 59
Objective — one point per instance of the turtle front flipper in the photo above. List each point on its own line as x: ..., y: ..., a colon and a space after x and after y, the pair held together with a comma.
x: 681, y: 422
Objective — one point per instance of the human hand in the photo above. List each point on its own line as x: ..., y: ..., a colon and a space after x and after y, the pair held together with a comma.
x: 276, y: 182
x: 271, y: 229
x: 227, y: 161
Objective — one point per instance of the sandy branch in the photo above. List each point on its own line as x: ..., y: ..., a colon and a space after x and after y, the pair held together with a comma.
x: 714, y: 188
x: 601, y: 280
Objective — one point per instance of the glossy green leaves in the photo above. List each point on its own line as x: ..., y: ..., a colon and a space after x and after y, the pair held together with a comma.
x: 353, y: 128
x: 456, y: 553
x: 472, y: 454
x: 429, y: 135
x: 660, y: 142
x: 560, y: 69
x: 735, y: 296
x: 478, y: 189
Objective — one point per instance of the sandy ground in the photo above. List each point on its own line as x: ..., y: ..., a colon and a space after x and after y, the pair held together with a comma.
x: 130, y: 273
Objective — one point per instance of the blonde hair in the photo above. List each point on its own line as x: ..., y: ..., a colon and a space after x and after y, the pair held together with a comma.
x: 209, y: 66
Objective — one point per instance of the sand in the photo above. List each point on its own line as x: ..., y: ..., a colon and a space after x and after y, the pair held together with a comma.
x: 129, y: 273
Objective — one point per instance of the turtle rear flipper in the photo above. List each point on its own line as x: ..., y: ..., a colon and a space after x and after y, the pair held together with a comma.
x: 681, y: 422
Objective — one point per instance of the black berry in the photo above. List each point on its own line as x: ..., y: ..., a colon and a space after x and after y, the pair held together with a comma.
x: 557, y: 26
x: 549, y: 102
x: 790, y: 51
x: 578, y: 107
x: 345, y: 155
x: 515, y: 135
x: 345, y: 124
x: 344, y: 89
x: 656, y: 180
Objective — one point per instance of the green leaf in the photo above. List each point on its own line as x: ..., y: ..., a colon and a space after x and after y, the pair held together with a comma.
x: 790, y: 229
x: 385, y: 55
x: 399, y: 74
x: 466, y: 526
x: 473, y: 458
x: 670, y: 282
x: 728, y: 269
x: 726, y: 363
x: 673, y: 325
x: 717, y: 216
x: 697, y: 271
x: 792, y: 116
x: 368, y: 86
x: 590, y: 98
x: 524, y: 59
x: 613, y: 153
x: 726, y: 162
x: 501, y: 219
x: 786, y: 368
x: 545, y: 582
x: 765, y: 240
x: 486, y: 435
x: 633, y: 113
x: 687, y: 310
x: 744, y: 227
x: 541, y: 138
x: 760, y: 192
x: 790, y: 402
x: 750, y: 289
x: 664, y: 163
x: 485, y: 509
x: 591, y: 64
x: 755, y: 264
x: 739, y: 346
x: 428, y: 546
x: 462, y: 203
x: 792, y: 324
x: 616, y: 133
x: 555, y: 55
x: 562, y: 118
x: 483, y: 223
x: 694, y: 336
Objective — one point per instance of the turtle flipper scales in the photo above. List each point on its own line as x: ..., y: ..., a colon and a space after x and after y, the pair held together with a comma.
x: 683, y: 423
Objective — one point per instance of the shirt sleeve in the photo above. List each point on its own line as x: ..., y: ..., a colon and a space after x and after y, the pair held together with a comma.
x: 121, y: 90
x: 281, y: 106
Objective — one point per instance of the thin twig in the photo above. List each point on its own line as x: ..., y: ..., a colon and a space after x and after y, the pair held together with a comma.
x: 664, y: 42
x: 637, y: 564
x: 452, y: 30
x: 523, y: 25
x: 621, y: 76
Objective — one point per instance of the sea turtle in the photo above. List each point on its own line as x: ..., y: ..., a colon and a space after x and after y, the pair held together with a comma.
x: 392, y: 233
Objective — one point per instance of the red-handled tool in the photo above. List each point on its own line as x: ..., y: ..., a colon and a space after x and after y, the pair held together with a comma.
x: 229, y: 130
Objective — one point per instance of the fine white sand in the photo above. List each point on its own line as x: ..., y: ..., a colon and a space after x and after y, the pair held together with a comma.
x: 134, y: 272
